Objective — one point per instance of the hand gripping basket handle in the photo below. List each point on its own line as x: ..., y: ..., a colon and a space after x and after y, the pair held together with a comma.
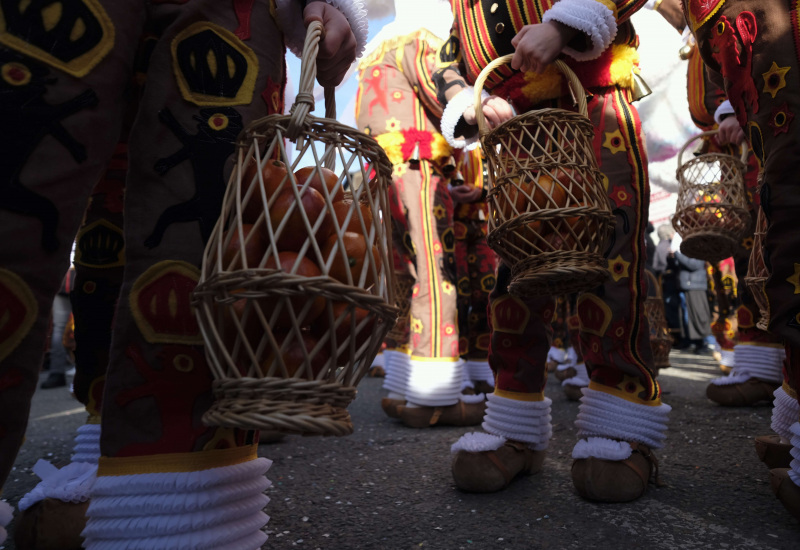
x: 304, y: 101
x: 575, y: 88
x: 743, y: 158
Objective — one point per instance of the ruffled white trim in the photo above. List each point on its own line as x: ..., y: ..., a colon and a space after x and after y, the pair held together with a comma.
x: 604, y: 415
x: 572, y: 356
x: 725, y: 108
x: 477, y: 398
x: 750, y: 361
x: 87, y: 444
x: 378, y: 361
x: 6, y: 513
x: 591, y: 17
x: 581, y: 378
x: 435, y: 383
x: 72, y: 483
x: 397, y: 366
x: 557, y: 355
x: 784, y: 413
x: 527, y: 421
x: 290, y: 19
x: 727, y: 358
x: 218, y: 508
x: 477, y: 442
x: 452, y: 114
x: 479, y: 371
x: 600, y: 447
x: 794, y: 467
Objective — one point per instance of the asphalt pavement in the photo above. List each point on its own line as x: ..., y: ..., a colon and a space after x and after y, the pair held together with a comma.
x: 389, y: 487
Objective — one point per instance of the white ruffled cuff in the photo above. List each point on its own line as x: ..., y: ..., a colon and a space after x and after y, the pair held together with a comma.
x: 219, y: 508
x: 784, y: 413
x: 590, y: 17
x: 477, y: 442
x: 581, y: 378
x: 725, y: 108
x: 604, y: 415
x: 794, y: 467
x: 87, y: 444
x: 750, y: 361
x: 397, y: 365
x: 72, y: 483
x: 453, y: 113
x: 434, y: 383
x: 479, y: 371
x: 600, y: 447
x: 290, y: 18
x: 527, y: 421
x: 557, y: 355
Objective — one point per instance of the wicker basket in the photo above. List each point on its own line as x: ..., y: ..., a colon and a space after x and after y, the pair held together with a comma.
x: 711, y: 215
x: 293, y: 317
x: 660, y: 339
x: 550, y: 218
x: 757, y: 271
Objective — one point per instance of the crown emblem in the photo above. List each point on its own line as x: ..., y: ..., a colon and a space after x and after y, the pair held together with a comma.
x: 100, y: 244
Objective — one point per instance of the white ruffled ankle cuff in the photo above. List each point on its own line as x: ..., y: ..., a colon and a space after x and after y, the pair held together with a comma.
x: 87, y: 444
x: 750, y: 361
x: 526, y: 421
x: 794, y: 467
x: 217, y: 508
x: 435, y: 383
x: 378, y: 361
x: 600, y: 447
x: 479, y: 371
x: 557, y: 355
x: 477, y: 442
x: 727, y: 358
x: 604, y: 415
x: 72, y: 483
x: 593, y: 18
x: 290, y: 19
x: 397, y: 365
x: 785, y: 412
x: 452, y: 114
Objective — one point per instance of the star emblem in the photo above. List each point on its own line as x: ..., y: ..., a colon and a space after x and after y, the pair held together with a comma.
x: 795, y: 278
x: 775, y: 79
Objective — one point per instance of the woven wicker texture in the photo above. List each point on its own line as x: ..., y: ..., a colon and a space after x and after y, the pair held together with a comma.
x: 757, y: 271
x: 660, y: 339
x: 550, y: 218
x: 711, y: 214
x: 296, y: 284
x: 404, y: 284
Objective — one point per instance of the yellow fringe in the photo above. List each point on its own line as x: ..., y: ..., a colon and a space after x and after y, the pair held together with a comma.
x: 399, y: 42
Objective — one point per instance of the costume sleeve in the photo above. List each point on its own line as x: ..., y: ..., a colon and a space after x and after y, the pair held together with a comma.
x: 421, y: 59
x: 454, y: 94
x: 290, y: 18
x: 596, y: 19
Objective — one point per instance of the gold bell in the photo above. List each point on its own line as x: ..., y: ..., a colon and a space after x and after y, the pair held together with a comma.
x: 449, y: 166
x: 639, y: 89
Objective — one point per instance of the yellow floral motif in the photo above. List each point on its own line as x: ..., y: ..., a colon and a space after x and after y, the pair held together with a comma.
x: 775, y: 79
x: 416, y: 325
x: 449, y: 330
x: 795, y: 279
x: 393, y: 125
x: 747, y: 243
x: 614, y: 142
x: 399, y: 170
x: 447, y: 287
x: 605, y: 182
x: 619, y: 268
x: 439, y: 211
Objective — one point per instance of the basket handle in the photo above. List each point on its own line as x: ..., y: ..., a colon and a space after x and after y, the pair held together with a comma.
x: 575, y: 87
x: 743, y: 158
x: 653, y: 280
x: 304, y: 101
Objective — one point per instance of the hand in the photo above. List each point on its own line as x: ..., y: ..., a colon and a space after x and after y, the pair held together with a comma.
x: 465, y: 193
x: 337, y: 48
x: 730, y: 132
x: 539, y: 45
x: 496, y: 110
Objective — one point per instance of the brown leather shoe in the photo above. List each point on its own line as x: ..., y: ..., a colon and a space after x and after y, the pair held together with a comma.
x: 51, y: 524
x: 772, y: 452
x: 459, y: 414
x: 743, y: 394
x: 573, y: 392
x: 568, y: 372
x: 491, y: 471
x: 616, y: 480
x: 786, y: 491
x: 376, y: 372
x: 390, y: 406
